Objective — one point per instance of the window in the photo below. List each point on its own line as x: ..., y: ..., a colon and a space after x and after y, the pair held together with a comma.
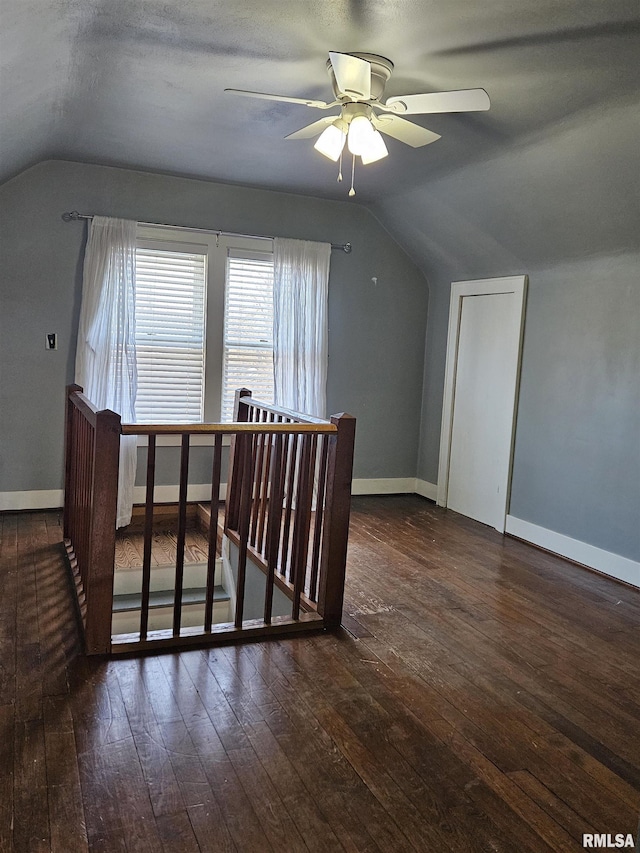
x: 204, y: 317
x: 170, y: 334
x: 248, y: 328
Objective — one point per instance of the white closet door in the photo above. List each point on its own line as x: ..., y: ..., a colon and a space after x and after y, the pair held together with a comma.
x: 483, y: 370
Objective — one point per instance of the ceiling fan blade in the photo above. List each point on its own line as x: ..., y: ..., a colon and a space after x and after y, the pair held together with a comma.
x: 308, y: 102
x: 312, y: 129
x: 406, y: 131
x: 462, y: 101
x: 353, y: 75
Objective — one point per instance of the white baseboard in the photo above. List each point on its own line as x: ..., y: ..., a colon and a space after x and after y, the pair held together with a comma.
x: 34, y: 499
x: 427, y: 490
x: 606, y: 562
x: 381, y: 486
x: 384, y: 486
x: 54, y: 498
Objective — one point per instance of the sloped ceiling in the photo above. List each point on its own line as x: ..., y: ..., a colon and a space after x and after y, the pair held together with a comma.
x: 140, y: 84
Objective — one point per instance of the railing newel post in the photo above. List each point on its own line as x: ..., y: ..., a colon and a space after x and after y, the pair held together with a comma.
x: 102, y: 535
x: 336, y: 520
x: 240, y: 415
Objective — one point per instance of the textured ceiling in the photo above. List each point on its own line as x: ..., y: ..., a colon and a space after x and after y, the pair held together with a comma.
x: 140, y: 84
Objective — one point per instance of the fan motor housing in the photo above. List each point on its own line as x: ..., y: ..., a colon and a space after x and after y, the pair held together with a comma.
x: 381, y: 69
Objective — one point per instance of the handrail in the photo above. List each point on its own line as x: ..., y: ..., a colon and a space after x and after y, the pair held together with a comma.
x: 297, y: 417
x: 82, y: 403
x: 233, y: 428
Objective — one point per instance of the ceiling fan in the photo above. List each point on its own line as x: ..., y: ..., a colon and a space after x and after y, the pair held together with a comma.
x: 358, y: 81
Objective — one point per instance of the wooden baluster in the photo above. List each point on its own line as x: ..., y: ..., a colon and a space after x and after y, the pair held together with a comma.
x: 258, y: 480
x: 148, y: 537
x: 77, y: 500
x: 86, y: 471
x: 90, y: 475
x: 336, y: 521
x: 182, y: 528
x: 246, y: 452
x: 82, y: 532
x: 289, y: 500
x: 264, y: 502
x: 255, y: 443
x: 88, y: 465
x: 79, y: 495
x: 213, y: 531
x: 72, y: 498
x: 304, y: 495
x: 81, y: 463
x: 282, y: 471
x: 318, y: 520
x: 103, y: 500
x: 274, y: 521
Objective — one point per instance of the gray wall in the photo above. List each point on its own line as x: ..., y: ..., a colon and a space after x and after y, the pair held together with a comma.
x: 577, y: 454
x: 376, y: 335
x: 255, y: 588
x: 562, y: 208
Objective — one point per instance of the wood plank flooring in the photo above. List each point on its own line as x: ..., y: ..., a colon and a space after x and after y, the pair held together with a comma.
x: 130, y: 540
x: 164, y: 543
x: 482, y: 696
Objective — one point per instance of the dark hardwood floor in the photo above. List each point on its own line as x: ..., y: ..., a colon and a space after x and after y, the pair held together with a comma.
x: 483, y: 696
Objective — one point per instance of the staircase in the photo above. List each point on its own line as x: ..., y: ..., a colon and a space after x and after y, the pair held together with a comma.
x: 127, y: 597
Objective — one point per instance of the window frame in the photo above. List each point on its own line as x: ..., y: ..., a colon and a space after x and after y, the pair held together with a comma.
x: 216, y: 246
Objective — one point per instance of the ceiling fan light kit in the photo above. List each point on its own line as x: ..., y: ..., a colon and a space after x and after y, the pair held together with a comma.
x: 376, y: 149
x: 360, y: 131
x: 331, y: 140
x: 358, y: 81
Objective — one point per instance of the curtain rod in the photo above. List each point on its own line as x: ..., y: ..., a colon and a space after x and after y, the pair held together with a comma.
x: 74, y: 216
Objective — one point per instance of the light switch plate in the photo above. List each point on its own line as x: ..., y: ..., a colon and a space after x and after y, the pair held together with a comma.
x: 51, y: 340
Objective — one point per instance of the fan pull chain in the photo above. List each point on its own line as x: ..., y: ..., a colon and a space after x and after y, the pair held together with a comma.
x: 340, y: 168
x: 352, y: 192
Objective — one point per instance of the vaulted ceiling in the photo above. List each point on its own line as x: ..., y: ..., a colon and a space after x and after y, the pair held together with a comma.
x: 140, y: 84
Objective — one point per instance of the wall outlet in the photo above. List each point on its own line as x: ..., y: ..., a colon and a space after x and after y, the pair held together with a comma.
x: 52, y: 340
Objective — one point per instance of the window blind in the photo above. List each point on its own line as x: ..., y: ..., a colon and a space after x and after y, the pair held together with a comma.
x: 248, y: 328
x: 170, y: 335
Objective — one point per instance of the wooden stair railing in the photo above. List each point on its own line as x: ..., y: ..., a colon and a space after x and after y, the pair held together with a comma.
x: 298, y: 486
x: 287, y: 516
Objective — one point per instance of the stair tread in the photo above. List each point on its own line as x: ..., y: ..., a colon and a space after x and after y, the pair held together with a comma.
x: 164, y: 598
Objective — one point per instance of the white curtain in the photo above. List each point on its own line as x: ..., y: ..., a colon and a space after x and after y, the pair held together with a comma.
x: 300, y: 338
x: 106, y: 352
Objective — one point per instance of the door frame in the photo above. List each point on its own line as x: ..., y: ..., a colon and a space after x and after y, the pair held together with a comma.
x: 517, y: 285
